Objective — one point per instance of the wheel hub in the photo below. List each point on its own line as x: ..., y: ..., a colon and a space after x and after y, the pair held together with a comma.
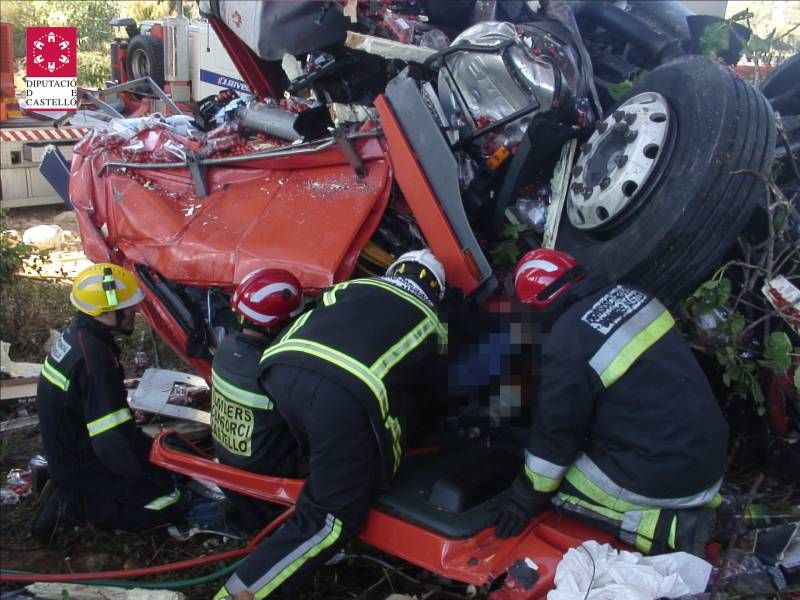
x: 616, y: 162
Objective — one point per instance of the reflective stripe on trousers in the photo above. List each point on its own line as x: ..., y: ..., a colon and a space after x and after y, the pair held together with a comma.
x: 288, y: 566
x: 163, y: 502
x: 590, y: 492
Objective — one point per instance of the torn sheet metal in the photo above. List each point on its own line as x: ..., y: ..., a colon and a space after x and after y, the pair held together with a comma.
x: 257, y: 213
x: 560, y: 186
x: 388, y: 48
x: 154, y: 392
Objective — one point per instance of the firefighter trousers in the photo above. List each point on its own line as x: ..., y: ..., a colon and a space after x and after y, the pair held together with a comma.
x: 334, y: 428
x: 131, y: 505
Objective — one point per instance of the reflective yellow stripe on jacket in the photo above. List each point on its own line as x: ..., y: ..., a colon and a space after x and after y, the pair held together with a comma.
x: 613, y: 359
x: 238, y: 395
x: 372, y: 375
x: 54, y: 376
x: 288, y: 565
x: 545, y: 476
x: 109, y: 421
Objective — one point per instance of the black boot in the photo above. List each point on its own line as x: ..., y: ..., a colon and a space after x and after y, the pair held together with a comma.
x: 57, y: 508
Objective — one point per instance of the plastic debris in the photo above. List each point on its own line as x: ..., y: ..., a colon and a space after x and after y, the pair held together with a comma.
x: 584, y: 116
x: 39, y: 474
x: 746, y: 575
x: 183, y: 535
x: 44, y: 237
x: 179, y: 395
x: 141, y: 361
x: 16, y: 369
x: 610, y: 574
x: 401, y: 28
x: 20, y: 482
x: 8, y: 496
x: 533, y: 203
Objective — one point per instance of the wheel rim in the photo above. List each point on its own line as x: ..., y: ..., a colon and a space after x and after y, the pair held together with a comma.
x: 140, y: 64
x: 617, y: 161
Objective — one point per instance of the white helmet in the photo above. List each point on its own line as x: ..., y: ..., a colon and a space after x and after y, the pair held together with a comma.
x: 427, y: 259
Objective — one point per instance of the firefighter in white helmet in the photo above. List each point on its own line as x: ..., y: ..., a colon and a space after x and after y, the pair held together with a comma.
x: 332, y: 376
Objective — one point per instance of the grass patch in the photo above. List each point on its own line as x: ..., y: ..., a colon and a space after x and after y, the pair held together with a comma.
x: 30, y: 308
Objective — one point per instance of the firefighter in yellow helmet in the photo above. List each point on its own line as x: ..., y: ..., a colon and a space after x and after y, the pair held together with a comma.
x: 97, y: 458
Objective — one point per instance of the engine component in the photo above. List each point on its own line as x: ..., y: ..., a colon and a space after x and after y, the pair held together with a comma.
x: 282, y: 123
x: 495, y: 71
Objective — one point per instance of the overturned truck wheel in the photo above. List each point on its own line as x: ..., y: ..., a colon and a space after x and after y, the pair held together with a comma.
x: 662, y: 210
x: 146, y: 58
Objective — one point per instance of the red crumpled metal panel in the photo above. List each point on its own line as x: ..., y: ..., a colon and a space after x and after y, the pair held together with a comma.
x: 480, y: 559
x: 309, y: 214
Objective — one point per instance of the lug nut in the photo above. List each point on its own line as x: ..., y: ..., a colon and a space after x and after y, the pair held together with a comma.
x: 577, y: 170
x: 618, y: 115
x: 620, y: 160
x: 605, y: 182
x: 621, y: 127
x: 630, y: 118
x: 631, y: 135
x: 601, y: 126
x: 577, y: 187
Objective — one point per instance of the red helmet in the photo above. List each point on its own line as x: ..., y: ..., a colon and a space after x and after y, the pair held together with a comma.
x: 268, y: 297
x: 542, y: 275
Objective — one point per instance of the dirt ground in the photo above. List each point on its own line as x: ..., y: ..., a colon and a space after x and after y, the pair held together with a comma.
x: 56, y: 214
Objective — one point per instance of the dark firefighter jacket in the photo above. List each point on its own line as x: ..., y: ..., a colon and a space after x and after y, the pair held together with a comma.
x: 623, y: 398
x: 248, y: 431
x: 88, y: 431
x: 366, y: 335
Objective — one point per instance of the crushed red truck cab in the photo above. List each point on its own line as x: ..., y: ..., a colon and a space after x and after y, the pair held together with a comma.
x: 191, y: 209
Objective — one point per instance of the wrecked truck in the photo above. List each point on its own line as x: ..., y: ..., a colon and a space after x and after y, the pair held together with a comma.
x: 469, y: 130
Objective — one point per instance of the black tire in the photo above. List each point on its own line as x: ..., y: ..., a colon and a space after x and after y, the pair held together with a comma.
x: 691, y: 212
x: 146, y: 58
x: 782, y: 87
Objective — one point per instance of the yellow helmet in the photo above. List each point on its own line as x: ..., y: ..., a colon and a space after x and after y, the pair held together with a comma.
x: 104, y: 287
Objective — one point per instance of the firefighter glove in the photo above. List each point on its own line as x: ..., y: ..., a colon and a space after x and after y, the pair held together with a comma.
x: 519, y: 506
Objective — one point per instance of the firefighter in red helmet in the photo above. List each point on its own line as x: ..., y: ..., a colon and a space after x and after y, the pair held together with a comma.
x: 337, y: 377
x: 248, y: 432
x: 627, y: 433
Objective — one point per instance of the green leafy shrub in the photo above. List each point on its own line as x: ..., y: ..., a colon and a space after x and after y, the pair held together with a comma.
x: 94, y: 69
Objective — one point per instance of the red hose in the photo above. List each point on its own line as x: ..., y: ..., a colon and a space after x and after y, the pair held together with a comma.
x: 176, y: 566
